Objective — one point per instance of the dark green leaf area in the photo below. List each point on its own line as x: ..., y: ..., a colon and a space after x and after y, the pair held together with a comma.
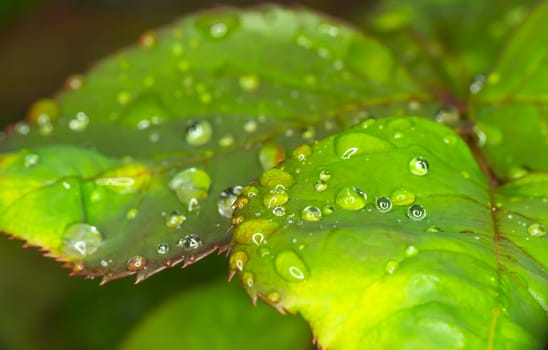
x: 222, y: 318
x: 510, y: 105
x: 392, y: 227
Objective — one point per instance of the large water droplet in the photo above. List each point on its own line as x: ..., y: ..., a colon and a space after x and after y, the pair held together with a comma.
x: 227, y: 199
x: 383, y: 204
x: 291, y: 267
x: 276, y: 197
x: 351, y: 198
x: 270, y: 155
x: 81, y: 240
x: 416, y: 212
x: 254, y: 231
x: 536, y: 230
x: 354, y: 144
x: 190, y: 242
x: 136, y: 263
x: 311, y: 213
x: 402, y: 196
x: 191, y: 185
x: 198, y: 133
x: 418, y: 166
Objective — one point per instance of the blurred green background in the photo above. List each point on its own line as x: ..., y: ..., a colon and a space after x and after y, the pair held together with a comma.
x: 41, y: 43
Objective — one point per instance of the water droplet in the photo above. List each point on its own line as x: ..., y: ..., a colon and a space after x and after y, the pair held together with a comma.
x: 291, y: 267
x: 450, y: 139
x: 325, y: 175
x: 273, y: 297
x: 250, y: 126
x: 254, y: 231
x: 418, y: 166
x: 302, y: 152
x: 198, y: 133
x: 238, y: 260
x: 487, y: 134
x: 74, y: 82
x: 411, y: 251
x: 536, y: 230
x: 327, y: 210
x: 42, y: 112
x: 448, y: 115
x: 191, y: 185
x: 270, y: 155
x: 175, y: 219
x: 434, y: 229
x: 402, y: 196
x: 391, y: 266
x: 190, y: 242
x: 249, y: 82
x: 80, y: 122
x: 320, y: 186
x: 416, y: 212
x: 311, y: 213
x: 227, y: 199
x: 308, y: 133
x: 31, y: 159
x: 248, y: 278
x: 136, y: 263
x: 163, y: 248
x: 477, y: 84
x: 278, y: 211
x: 105, y: 262
x: 275, y: 177
x: 351, y: 198
x: 218, y: 30
x: 276, y: 197
x: 383, y: 204
x: 148, y: 39
x: 354, y: 144
x: 81, y: 240
x: 226, y: 141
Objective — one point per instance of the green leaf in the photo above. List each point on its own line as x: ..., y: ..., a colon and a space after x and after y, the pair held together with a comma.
x: 222, y: 318
x: 124, y: 171
x: 388, y: 236
x: 446, y: 43
x: 511, y: 110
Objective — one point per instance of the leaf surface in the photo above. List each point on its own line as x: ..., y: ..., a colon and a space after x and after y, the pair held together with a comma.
x: 390, y: 228
x: 127, y: 170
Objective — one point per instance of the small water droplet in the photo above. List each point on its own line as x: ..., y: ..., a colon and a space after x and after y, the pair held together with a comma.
x: 291, y: 267
x: 536, y: 230
x: 190, y: 242
x: 402, y: 196
x: 383, y: 204
x: 477, y: 84
x: 136, y: 263
x: 273, y: 297
x: 250, y: 126
x: 302, y: 152
x: 325, y: 175
x: 450, y: 139
x: 328, y: 210
x: 391, y: 266
x: 105, y: 262
x: 175, y: 219
x: 351, y: 198
x: 226, y: 141
x: 416, y: 212
x: 411, y: 251
x: 448, y: 115
x: 434, y: 229
x: 81, y: 240
x: 31, y: 159
x: 308, y: 133
x: 248, y: 278
x: 132, y: 213
x: 320, y: 186
x: 191, y: 185
x: 163, y: 248
x: 311, y: 213
x: 270, y: 155
x: 418, y: 166
x: 80, y: 122
x: 238, y: 260
x: 198, y: 133
x: 227, y: 199
x: 354, y: 144
x: 249, y: 82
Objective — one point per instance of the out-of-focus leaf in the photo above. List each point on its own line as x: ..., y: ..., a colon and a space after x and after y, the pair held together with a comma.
x: 511, y: 103
x: 388, y: 236
x: 124, y: 173
x: 222, y: 318
x: 446, y: 43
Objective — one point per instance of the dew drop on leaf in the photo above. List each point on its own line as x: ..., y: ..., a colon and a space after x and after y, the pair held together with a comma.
x: 351, y: 198
x: 402, y: 196
x: 278, y: 211
x: 136, y: 263
x: 325, y: 175
x: 175, y: 219
x: 190, y: 242
x: 80, y: 122
x: 536, y: 230
x: 238, y: 260
x: 276, y: 197
x: 311, y: 213
x: 320, y: 186
x: 411, y: 251
x: 302, y: 152
x: 31, y: 159
x: 198, y: 133
x: 391, y: 266
x: 383, y: 204
x: 416, y: 212
x: 291, y: 267
x: 448, y: 115
x: 163, y: 248
x: 418, y: 166
x: 81, y: 240
x: 248, y: 279
x: 191, y: 185
x: 249, y: 82
x: 227, y: 199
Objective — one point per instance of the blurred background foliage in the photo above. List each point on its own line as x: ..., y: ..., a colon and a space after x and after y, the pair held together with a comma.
x: 41, y: 43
